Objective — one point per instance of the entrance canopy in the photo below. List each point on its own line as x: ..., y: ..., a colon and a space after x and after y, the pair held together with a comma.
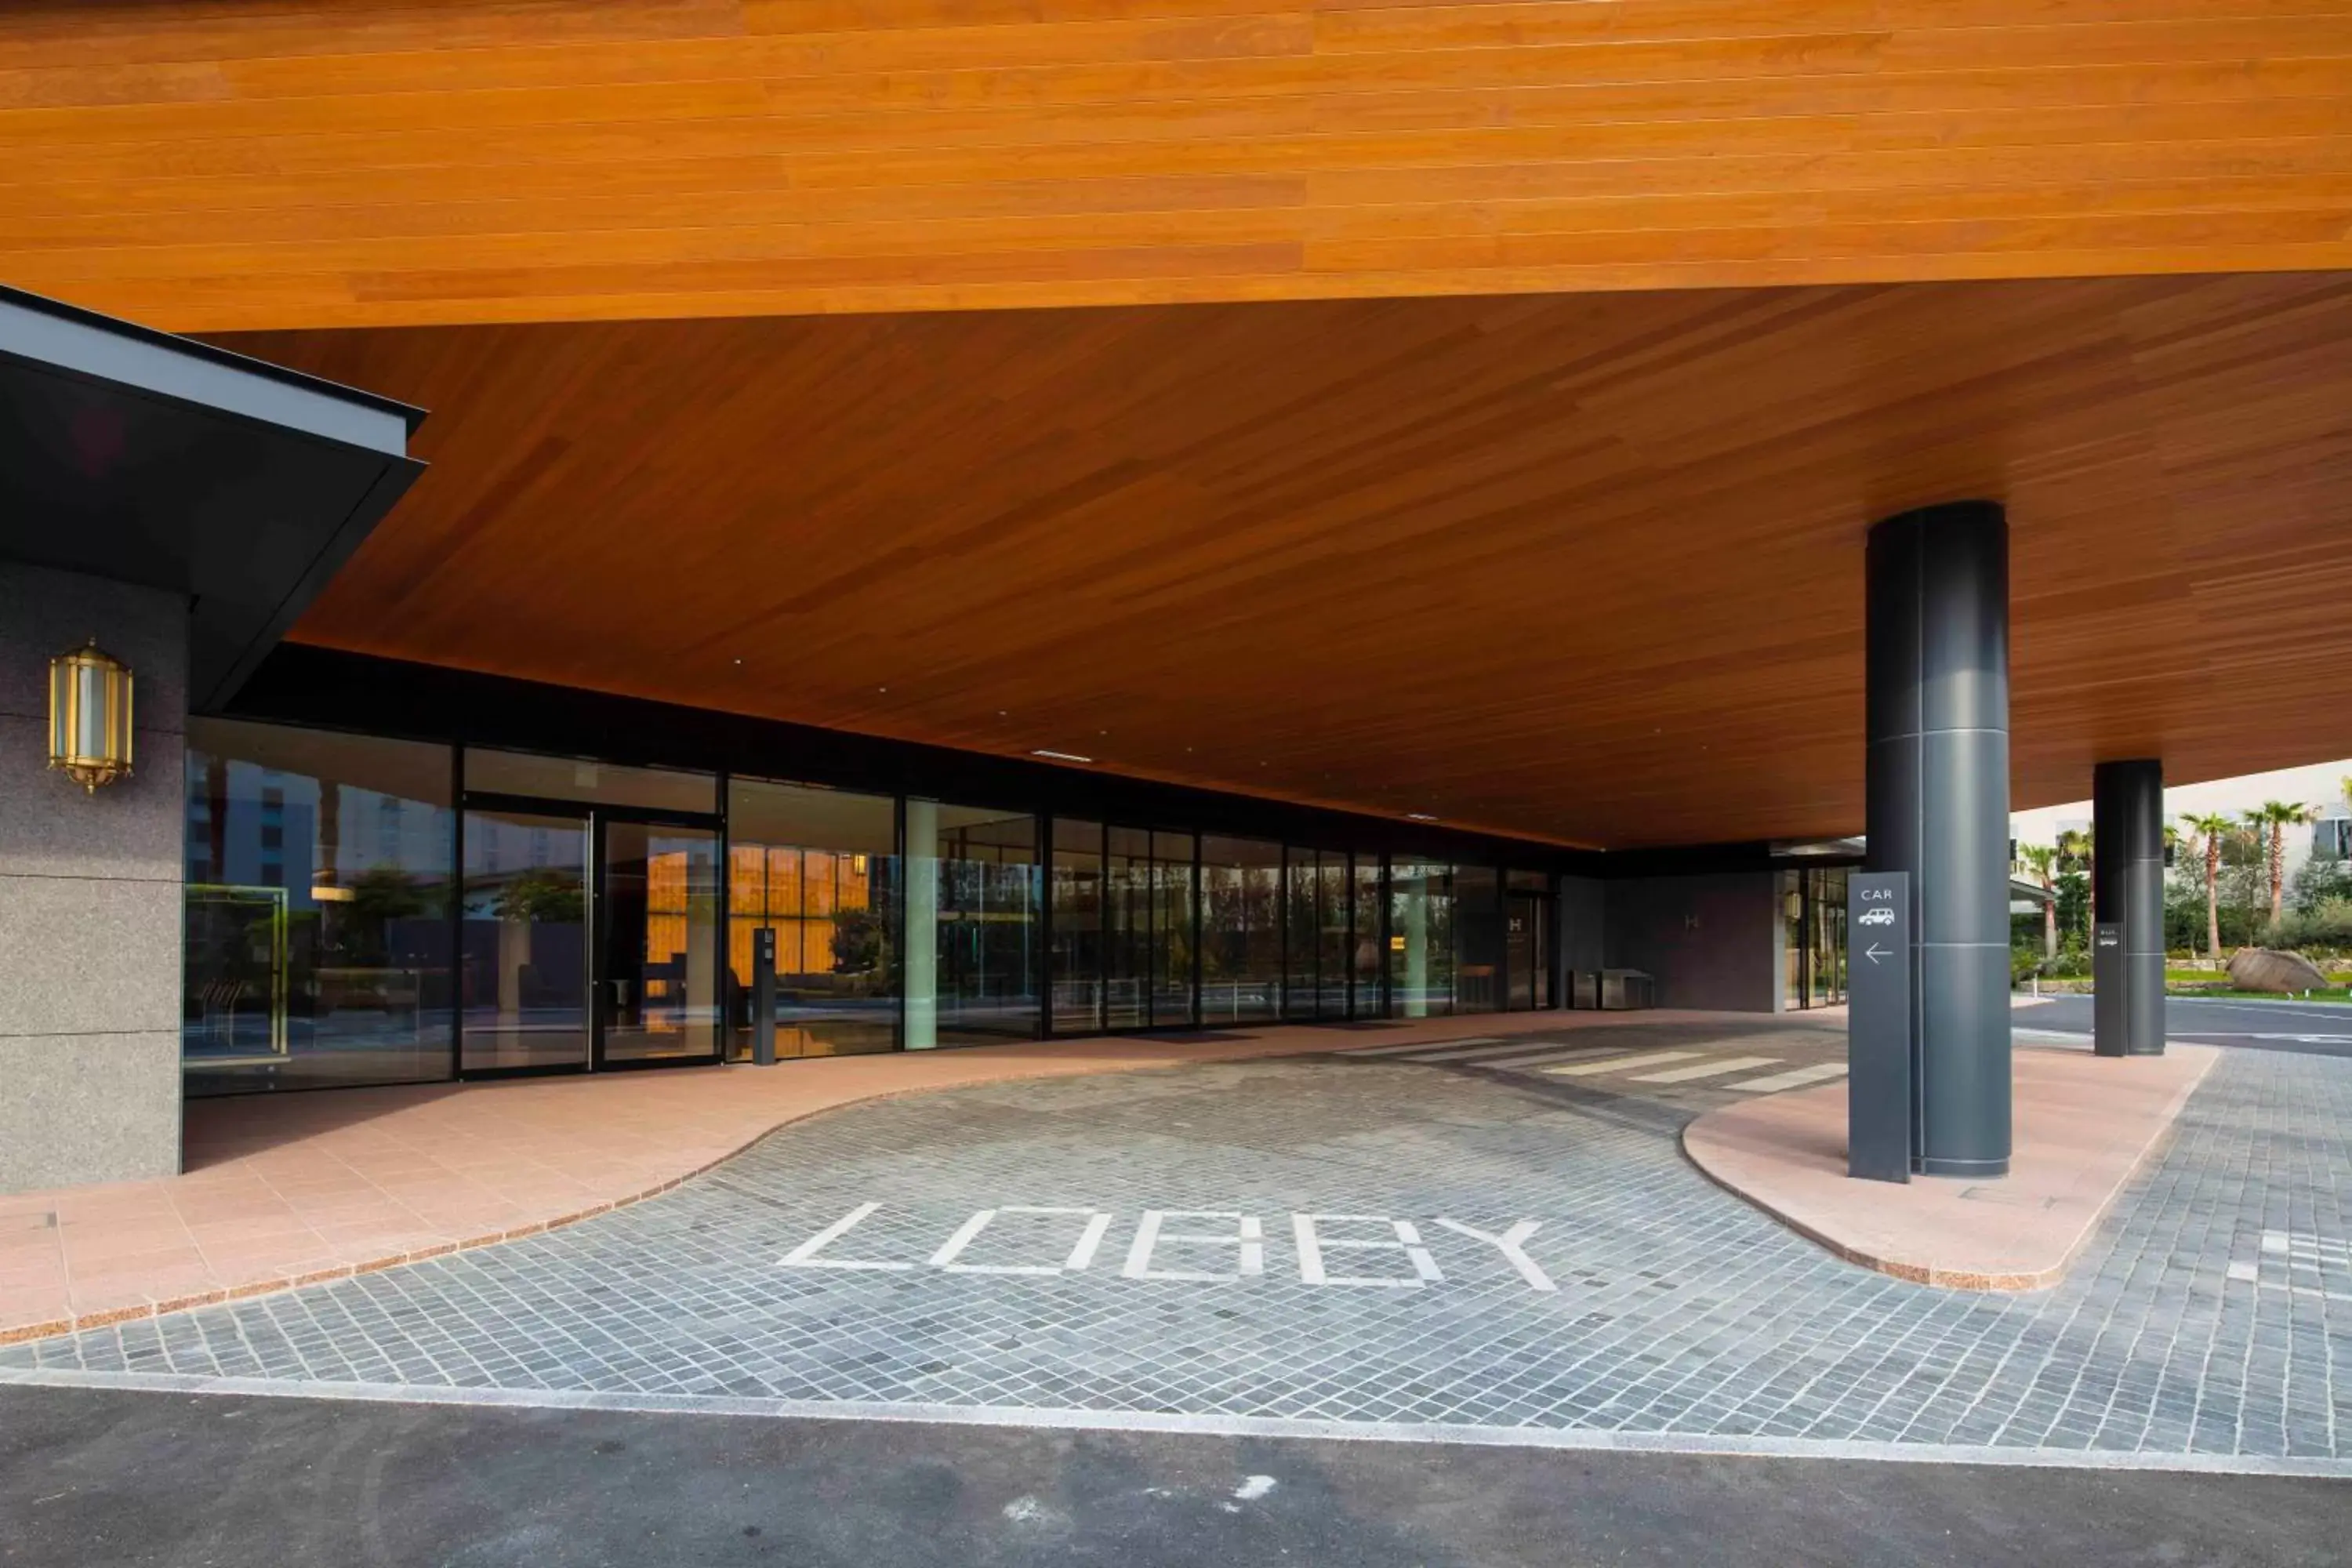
x: 1586, y: 568
x: 136, y: 455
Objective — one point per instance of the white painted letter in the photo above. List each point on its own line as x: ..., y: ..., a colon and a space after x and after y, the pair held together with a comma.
x: 1509, y: 1245
x: 1248, y: 1237
x: 1408, y: 1241
x: 1090, y: 1239
x: 804, y: 1255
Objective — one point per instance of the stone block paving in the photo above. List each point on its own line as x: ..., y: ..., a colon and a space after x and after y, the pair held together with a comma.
x: 2210, y: 1313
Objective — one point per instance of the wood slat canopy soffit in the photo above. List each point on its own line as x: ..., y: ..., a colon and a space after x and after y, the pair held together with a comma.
x: 1579, y: 567
x: 212, y: 166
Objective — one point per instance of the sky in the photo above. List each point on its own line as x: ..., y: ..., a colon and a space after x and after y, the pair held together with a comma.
x: 2321, y: 783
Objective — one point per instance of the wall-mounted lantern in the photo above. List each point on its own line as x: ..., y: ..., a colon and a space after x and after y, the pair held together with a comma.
x: 90, y: 716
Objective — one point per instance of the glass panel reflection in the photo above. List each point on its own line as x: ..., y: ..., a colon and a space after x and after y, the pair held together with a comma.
x: 1149, y: 887
x: 525, y: 936
x: 1316, y: 906
x: 1241, y: 930
x: 972, y: 896
x: 1367, y: 994
x: 659, y: 985
x: 1332, y: 947
x: 817, y: 867
x: 1077, y: 892
x: 318, y: 906
x: 1478, y: 939
x: 1421, y: 938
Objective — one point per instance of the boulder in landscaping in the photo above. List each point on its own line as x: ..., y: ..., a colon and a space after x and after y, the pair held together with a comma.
x: 2260, y: 969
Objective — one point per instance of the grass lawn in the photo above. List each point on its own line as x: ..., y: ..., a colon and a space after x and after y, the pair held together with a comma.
x: 2333, y: 994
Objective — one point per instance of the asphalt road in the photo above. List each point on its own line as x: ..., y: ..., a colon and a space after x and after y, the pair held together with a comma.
x: 118, y: 1478
x: 2319, y: 1028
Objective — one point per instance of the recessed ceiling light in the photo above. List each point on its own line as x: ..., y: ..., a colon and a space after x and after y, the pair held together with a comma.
x: 1061, y: 756
x: 1420, y: 816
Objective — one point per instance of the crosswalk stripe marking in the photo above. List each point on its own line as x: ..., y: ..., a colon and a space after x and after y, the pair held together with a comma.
x: 1647, y: 1058
x: 1795, y: 1077
x: 1414, y: 1046
x: 1479, y: 1053
x: 1578, y: 1054
x: 1706, y: 1069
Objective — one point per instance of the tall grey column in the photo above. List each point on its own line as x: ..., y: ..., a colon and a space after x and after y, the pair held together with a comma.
x: 91, y: 892
x: 2127, y: 892
x: 1939, y: 809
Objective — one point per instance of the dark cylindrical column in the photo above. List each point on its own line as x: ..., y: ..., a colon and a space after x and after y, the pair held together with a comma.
x: 2128, y: 892
x: 1939, y: 809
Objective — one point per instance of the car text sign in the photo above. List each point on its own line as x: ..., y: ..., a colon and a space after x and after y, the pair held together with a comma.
x: 1878, y: 1026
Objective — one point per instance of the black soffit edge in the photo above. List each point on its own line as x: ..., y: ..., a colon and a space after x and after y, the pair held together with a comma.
x: 334, y: 690
x: 133, y: 455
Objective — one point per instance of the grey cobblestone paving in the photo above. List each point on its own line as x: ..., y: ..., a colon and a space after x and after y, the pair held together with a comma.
x: 2212, y: 1312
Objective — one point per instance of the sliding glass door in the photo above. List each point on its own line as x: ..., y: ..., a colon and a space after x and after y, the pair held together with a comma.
x: 591, y: 939
x: 657, y: 941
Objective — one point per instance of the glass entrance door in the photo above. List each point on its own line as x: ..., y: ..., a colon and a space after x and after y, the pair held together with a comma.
x: 657, y: 979
x: 591, y: 940
x: 524, y: 986
x: 1527, y: 955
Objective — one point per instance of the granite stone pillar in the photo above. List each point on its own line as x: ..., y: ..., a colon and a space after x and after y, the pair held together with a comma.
x: 89, y: 895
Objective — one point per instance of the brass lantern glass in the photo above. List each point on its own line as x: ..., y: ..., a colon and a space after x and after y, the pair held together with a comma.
x: 90, y: 716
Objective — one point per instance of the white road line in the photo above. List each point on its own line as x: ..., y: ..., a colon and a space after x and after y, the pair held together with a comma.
x: 1646, y: 1060
x: 1578, y: 1054
x: 1262, y: 1427
x: 1706, y: 1069
x: 1415, y: 1046
x: 1478, y: 1053
x: 1795, y: 1077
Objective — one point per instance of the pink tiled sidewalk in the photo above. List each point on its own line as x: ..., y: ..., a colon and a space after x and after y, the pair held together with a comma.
x: 2082, y: 1125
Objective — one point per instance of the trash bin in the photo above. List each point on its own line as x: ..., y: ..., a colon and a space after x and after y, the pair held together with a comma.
x: 1626, y: 989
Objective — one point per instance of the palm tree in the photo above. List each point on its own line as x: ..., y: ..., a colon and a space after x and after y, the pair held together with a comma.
x: 2075, y: 854
x: 2044, y: 860
x: 2211, y: 829
x: 2270, y: 821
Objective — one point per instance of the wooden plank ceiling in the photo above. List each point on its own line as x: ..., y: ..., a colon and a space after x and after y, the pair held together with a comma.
x: 1583, y: 567
x: 227, y: 164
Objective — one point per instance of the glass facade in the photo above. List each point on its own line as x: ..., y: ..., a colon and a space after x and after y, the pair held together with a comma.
x: 1080, y: 985
x: 1368, y: 997
x: 524, y: 988
x: 815, y: 868
x: 1148, y: 929
x: 318, y: 924
x: 1421, y: 938
x: 973, y: 896
x: 369, y: 911
x: 1813, y: 913
x: 1478, y: 939
x: 1319, y: 958
x: 1241, y: 930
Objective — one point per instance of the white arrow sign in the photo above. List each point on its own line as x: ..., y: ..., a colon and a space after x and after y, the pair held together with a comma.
x: 1875, y: 952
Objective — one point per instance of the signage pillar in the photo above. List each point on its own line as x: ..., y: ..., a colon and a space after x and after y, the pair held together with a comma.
x: 763, y: 996
x: 1878, y: 1026
x: 1938, y: 790
x: 2128, y: 895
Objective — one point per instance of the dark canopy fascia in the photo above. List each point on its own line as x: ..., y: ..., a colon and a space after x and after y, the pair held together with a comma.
x: 137, y: 456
